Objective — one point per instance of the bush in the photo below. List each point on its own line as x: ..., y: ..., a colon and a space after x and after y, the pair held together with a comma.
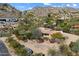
x: 65, y: 27
x: 14, y: 43
x: 39, y: 54
x: 21, y: 52
x: 71, y: 44
x: 52, y: 52
x: 57, y: 36
x: 75, y: 31
x: 16, y: 32
x: 5, y: 33
x: 64, y: 49
x: 19, y: 49
x: 74, y: 46
x: 9, y: 39
x: 36, y: 34
x: 23, y: 34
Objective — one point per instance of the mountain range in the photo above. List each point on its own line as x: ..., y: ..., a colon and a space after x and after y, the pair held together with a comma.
x: 6, y: 10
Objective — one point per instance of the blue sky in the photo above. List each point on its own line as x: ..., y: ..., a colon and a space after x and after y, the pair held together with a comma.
x: 28, y: 6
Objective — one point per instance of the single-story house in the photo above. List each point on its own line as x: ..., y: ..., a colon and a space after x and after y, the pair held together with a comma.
x: 46, y: 32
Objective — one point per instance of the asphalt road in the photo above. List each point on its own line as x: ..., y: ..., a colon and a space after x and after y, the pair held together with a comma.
x: 3, y: 49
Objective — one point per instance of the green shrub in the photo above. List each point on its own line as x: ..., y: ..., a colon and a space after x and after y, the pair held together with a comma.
x: 19, y: 49
x: 74, y: 46
x: 75, y: 31
x: 64, y: 49
x: 23, y: 34
x: 57, y: 36
x: 9, y: 39
x: 36, y: 34
x: 71, y: 44
x: 65, y: 27
x: 21, y: 52
x: 52, y: 52
x: 38, y: 54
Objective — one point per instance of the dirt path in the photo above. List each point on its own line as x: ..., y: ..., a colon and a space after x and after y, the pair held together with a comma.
x: 40, y: 47
x: 71, y: 38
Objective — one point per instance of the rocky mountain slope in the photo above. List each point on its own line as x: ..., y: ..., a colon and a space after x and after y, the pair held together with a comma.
x: 43, y: 11
x: 6, y: 10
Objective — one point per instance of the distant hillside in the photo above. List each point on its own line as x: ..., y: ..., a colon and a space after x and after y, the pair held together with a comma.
x: 6, y: 10
x: 43, y: 11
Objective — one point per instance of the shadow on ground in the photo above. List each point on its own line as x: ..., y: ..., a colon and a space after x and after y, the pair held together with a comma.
x: 3, y: 49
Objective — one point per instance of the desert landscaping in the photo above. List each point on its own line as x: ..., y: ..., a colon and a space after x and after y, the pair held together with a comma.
x: 40, y: 31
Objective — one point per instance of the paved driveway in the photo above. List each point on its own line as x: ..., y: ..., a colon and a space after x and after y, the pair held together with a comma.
x: 3, y: 49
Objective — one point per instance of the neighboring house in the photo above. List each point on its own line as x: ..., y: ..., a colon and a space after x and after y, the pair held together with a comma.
x: 8, y: 19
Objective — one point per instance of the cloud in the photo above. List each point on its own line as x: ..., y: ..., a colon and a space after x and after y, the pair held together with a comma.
x: 71, y: 5
x: 68, y: 5
x: 56, y: 6
x: 29, y: 8
x: 47, y: 3
x: 74, y: 5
